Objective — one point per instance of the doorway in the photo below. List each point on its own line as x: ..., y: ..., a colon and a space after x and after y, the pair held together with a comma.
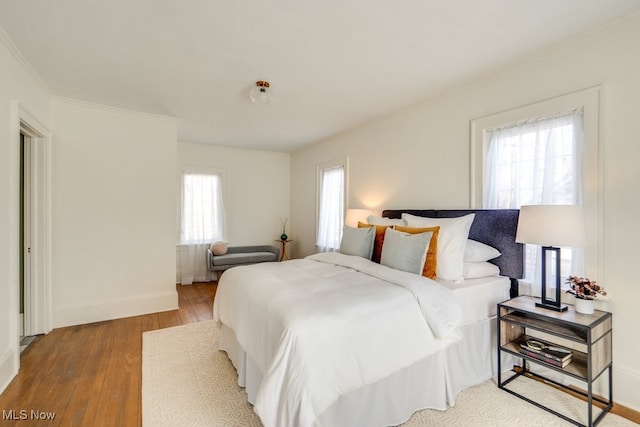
x: 25, y: 237
x: 34, y: 300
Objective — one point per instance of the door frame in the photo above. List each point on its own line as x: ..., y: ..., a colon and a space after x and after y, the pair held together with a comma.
x: 38, y: 296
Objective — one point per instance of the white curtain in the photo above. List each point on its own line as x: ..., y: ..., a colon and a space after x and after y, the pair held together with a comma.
x: 202, y: 219
x: 192, y: 264
x: 534, y: 162
x: 201, y: 223
x: 331, y: 209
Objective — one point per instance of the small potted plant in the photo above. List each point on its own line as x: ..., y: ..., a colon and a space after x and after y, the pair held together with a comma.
x: 585, y: 291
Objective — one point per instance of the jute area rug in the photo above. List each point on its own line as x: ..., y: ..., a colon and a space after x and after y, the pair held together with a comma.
x: 187, y: 381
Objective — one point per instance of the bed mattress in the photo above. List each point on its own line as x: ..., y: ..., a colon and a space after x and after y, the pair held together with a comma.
x: 479, y: 298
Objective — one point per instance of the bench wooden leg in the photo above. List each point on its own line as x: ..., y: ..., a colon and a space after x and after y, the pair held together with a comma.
x: 218, y: 275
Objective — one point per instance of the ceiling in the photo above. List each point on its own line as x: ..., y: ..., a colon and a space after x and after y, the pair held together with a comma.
x: 333, y: 64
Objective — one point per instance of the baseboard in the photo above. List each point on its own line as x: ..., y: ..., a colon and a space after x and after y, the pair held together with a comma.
x: 8, y: 367
x: 625, y: 388
x: 98, y: 311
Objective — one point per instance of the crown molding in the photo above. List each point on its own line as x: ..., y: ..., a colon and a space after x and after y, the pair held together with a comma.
x: 109, y: 108
x: 15, y: 52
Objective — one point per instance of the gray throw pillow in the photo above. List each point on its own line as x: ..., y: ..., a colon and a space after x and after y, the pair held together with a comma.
x: 404, y: 251
x: 357, y: 241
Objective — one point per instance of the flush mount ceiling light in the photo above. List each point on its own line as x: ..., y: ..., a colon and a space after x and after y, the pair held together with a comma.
x: 261, y: 93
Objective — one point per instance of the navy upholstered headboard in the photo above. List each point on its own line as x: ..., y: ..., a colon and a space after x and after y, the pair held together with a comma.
x: 494, y: 227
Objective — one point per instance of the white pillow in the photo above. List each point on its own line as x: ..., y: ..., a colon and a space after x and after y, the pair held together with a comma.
x: 452, y: 240
x: 404, y: 251
x: 477, y: 252
x: 475, y: 270
x: 376, y: 220
x: 357, y: 241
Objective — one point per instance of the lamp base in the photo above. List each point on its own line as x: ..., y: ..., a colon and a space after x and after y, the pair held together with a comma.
x: 552, y: 306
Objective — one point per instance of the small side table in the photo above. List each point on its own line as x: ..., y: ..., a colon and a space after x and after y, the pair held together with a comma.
x: 283, y: 254
x: 591, y: 339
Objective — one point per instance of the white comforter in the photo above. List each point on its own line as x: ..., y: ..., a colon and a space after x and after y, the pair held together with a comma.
x: 318, y: 328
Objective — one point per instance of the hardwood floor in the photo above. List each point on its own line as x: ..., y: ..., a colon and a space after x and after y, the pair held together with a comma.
x: 91, y: 375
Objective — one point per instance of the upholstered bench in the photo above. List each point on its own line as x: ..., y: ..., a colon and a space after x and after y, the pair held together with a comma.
x: 241, y: 255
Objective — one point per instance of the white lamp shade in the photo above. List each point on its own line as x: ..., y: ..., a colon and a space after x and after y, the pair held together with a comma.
x: 355, y: 215
x: 551, y: 225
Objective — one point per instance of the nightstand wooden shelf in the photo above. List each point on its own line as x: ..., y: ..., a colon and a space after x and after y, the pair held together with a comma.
x: 590, y: 336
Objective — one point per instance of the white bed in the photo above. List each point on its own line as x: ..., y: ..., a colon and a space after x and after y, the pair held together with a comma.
x: 431, y: 340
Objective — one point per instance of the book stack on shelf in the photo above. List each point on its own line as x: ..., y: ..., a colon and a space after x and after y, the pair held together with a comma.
x: 546, y: 352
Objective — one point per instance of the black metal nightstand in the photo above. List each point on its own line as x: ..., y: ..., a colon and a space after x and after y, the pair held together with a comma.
x: 589, y: 334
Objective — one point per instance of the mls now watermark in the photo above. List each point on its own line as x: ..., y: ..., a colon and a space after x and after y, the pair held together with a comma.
x: 23, y: 414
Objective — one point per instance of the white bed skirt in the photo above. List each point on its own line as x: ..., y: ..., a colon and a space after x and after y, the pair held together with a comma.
x: 431, y: 383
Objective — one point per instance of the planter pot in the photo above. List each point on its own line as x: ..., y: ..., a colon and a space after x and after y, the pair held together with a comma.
x: 584, y: 306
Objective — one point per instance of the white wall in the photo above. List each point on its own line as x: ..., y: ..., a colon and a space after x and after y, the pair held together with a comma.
x: 17, y: 88
x: 419, y: 158
x: 113, y: 203
x: 256, y: 193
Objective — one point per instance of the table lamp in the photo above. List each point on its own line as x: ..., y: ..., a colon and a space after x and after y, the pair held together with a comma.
x: 354, y: 216
x: 551, y: 226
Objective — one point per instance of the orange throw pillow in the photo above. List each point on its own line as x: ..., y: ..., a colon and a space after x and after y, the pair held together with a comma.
x: 431, y: 262
x: 379, y: 240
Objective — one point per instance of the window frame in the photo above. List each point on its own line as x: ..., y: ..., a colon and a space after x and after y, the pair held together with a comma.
x: 589, y: 101
x: 342, y: 161
x: 220, y: 172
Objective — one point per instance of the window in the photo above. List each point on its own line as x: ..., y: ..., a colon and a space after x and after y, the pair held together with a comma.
x: 535, y: 162
x: 202, y: 211
x: 331, y: 204
x: 543, y: 153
